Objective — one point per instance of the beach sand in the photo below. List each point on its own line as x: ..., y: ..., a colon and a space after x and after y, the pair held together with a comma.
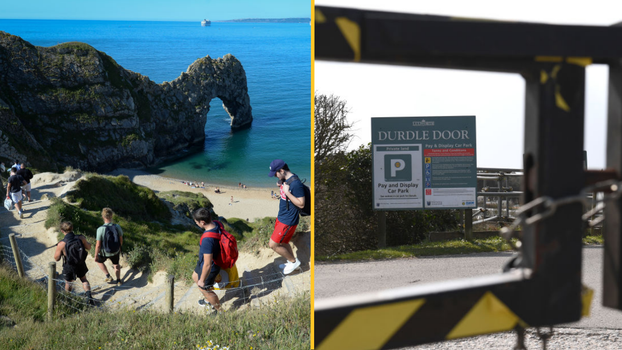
x: 249, y: 203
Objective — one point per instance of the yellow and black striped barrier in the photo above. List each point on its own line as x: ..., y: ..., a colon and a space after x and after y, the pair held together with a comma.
x: 435, y: 312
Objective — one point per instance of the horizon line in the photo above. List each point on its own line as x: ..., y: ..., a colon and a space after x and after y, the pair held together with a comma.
x: 155, y: 20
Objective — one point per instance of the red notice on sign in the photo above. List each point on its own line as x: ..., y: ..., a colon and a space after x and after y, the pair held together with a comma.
x: 449, y: 152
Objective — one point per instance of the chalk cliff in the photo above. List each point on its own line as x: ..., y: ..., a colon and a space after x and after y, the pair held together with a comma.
x: 73, y: 105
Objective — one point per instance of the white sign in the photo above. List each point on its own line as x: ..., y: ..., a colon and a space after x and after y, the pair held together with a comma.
x: 400, y: 184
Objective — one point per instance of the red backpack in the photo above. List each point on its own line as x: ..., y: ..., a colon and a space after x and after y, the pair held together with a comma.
x: 228, y: 246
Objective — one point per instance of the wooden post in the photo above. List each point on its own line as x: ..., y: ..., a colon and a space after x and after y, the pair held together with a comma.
x: 170, y: 283
x: 51, y: 289
x: 468, y: 224
x: 462, y: 221
x: 18, y: 259
x: 382, y: 229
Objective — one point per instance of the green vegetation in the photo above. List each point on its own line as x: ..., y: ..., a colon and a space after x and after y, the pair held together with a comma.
x: 122, y: 195
x: 129, y: 139
x: 186, y: 202
x: 85, y: 118
x: 75, y: 45
x: 596, y: 239
x: 24, y: 301
x: 450, y: 247
x: 277, y: 326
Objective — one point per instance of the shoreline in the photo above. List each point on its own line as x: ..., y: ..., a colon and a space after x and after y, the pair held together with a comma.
x: 248, y: 204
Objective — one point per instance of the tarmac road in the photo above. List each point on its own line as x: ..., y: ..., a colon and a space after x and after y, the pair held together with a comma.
x: 343, y: 279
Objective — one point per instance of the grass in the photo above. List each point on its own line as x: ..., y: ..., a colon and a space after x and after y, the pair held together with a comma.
x: 22, y: 300
x: 282, y: 325
x: 598, y: 239
x: 450, y: 247
x: 186, y: 202
x: 121, y: 195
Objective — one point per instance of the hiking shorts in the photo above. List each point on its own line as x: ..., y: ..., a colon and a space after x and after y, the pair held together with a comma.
x: 113, y: 259
x: 282, y: 233
x: 70, y: 272
x: 16, y: 197
x: 211, y: 277
x: 27, y: 187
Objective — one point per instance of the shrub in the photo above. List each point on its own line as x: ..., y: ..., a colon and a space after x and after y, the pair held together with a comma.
x: 139, y: 258
x: 121, y: 195
x: 187, y: 202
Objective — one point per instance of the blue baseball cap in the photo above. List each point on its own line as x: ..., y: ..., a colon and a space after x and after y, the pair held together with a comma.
x: 275, y: 166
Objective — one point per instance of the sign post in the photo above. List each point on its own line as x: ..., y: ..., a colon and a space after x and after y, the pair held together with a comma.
x: 424, y: 163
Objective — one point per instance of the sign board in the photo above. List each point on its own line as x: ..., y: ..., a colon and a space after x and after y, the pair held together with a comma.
x: 424, y: 163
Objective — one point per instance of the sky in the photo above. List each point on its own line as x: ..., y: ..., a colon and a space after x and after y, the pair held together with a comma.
x: 154, y: 10
x: 496, y: 99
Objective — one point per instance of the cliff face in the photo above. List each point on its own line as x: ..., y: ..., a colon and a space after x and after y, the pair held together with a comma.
x: 73, y: 105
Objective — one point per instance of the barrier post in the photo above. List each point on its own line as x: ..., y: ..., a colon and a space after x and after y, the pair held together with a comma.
x: 51, y: 288
x: 18, y: 259
x: 170, y: 282
x: 382, y: 229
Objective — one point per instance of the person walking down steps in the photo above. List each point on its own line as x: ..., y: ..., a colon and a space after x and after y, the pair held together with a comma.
x: 74, y: 250
x: 108, y: 246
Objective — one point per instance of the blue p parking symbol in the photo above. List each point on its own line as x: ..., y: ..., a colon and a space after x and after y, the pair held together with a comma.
x: 398, y: 167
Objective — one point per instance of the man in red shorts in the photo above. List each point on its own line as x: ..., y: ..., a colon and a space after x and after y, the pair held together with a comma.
x: 292, y: 200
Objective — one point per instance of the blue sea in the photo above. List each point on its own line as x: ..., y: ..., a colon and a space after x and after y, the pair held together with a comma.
x: 277, y: 61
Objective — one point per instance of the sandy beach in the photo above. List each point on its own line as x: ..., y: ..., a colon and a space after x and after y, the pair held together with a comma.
x: 249, y: 203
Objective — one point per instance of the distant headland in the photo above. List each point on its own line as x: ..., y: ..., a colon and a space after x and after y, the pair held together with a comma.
x: 269, y: 20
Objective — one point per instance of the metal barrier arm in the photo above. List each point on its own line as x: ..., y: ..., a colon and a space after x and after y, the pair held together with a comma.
x: 427, y: 313
x: 553, y: 164
x: 344, y: 34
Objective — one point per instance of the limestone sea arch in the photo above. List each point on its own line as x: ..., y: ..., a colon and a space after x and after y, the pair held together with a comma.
x: 71, y: 104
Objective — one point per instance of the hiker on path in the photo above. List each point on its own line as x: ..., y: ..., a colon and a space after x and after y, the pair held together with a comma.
x: 14, y: 190
x: 291, y: 201
x: 27, y: 175
x: 205, y: 272
x: 108, y: 246
x: 74, y: 250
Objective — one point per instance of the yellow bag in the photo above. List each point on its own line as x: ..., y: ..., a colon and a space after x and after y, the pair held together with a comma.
x: 228, y: 278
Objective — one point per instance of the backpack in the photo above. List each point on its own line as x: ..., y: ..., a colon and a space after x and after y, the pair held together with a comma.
x: 306, y: 210
x: 228, y: 246
x: 111, y: 241
x: 74, y: 250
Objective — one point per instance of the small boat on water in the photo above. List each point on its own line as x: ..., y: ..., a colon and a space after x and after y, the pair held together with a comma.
x: 206, y: 22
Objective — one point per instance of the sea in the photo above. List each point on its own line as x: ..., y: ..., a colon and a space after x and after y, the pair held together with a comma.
x: 277, y: 61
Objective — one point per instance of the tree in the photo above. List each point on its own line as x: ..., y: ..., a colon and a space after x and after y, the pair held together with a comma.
x: 332, y: 130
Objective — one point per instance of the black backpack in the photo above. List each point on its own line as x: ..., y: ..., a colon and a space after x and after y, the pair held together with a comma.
x: 111, y: 241
x: 74, y: 250
x: 306, y: 211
